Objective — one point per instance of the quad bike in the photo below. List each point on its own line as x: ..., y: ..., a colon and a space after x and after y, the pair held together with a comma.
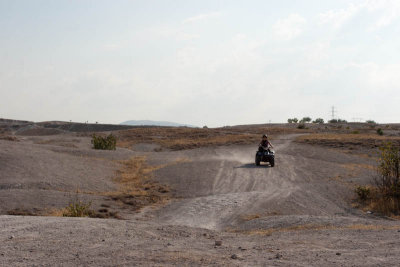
x: 265, y: 155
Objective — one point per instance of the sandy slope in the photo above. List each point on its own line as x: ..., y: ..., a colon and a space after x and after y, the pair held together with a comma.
x: 295, y: 214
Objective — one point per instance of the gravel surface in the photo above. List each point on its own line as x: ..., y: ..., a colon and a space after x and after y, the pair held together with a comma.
x: 225, y: 210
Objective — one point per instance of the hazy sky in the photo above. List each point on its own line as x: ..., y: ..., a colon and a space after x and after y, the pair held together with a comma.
x: 199, y: 62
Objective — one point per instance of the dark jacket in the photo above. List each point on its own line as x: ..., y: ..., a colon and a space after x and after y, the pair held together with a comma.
x: 265, y: 143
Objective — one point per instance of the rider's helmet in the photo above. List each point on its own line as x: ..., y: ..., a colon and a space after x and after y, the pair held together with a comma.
x: 265, y: 135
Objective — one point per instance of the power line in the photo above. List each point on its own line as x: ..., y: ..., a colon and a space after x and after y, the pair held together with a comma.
x: 333, y: 111
x: 357, y: 119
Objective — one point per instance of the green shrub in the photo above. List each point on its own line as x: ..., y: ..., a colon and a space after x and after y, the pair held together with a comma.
x: 337, y: 121
x: 318, y: 120
x: 305, y: 120
x: 370, y: 122
x: 388, y: 180
x: 363, y: 192
x: 379, y: 131
x: 104, y: 143
x: 78, y: 208
x: 301, y: 126
x: 384, y: 197
x: 355, y: 132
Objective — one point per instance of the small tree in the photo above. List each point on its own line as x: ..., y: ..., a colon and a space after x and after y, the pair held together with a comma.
x: 294, y: 120
x: 370, y: 122
x: 305, y: 120
x: 337, y: 121
x: 318, y: 120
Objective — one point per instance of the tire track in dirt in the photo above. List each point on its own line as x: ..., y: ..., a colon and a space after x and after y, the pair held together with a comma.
x: 238, y: 187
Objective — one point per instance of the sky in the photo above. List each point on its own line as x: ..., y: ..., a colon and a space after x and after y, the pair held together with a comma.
x: 208, y: 62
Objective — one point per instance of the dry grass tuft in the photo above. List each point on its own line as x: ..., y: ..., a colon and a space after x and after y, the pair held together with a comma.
x: 55, y: 212
x: 250, y: 217
x: 23, y: 212
x: 136, y: 188
x: 9, y: 138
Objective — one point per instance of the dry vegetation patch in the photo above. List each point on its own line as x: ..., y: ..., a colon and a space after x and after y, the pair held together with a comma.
x: 188, y: 138
x: 9, y: 138
x: 347, y: 141
x: 136, y: 188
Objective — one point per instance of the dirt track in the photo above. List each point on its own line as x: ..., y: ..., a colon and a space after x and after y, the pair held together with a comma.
x: 296, y: 214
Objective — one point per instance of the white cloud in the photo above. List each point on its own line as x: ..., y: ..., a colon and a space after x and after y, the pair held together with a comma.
x: 337, y: 18
x: 201, y: 17
x: 187, y: 36
x: 289, y: 27
x: 111, y: 47
x: 387, y: 12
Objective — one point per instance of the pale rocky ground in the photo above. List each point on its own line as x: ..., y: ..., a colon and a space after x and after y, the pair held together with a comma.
x: 298, y: 213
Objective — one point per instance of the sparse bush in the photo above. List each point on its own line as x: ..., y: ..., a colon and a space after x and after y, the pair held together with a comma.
x: 78, y: 208
x: 337, y: 121
x: 104, y: 143
x: 305, y: 120
x: 386, y: 199
x: 355, y: 132
x: 388, y: 180
x: 363, y: 192
x: 301, y: 126
x: 318, y: 120
x: 379, y: 131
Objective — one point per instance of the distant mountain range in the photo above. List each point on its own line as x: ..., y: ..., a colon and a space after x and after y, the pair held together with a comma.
x: 155, y: 123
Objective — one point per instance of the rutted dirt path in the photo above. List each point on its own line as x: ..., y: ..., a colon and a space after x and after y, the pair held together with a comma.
x: 219, y: 186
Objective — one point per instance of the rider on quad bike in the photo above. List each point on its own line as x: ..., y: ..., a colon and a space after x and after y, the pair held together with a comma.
x: 264, y: 153
x: 265, y: 143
